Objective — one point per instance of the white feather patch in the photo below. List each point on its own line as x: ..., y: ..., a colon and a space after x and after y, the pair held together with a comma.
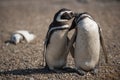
x: 59, y: 16
x: 65, y: 26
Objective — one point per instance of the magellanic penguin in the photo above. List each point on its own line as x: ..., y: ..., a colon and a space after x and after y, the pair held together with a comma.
x: 56, y: 40
x: 87, y: 38
x: 20, y: 35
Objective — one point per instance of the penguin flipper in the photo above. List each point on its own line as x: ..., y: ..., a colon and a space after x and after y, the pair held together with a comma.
x: 103, y: 44
x: 72, y: 48
x: 45, y: 44
x: 70, y: 44
x: 72, y: 51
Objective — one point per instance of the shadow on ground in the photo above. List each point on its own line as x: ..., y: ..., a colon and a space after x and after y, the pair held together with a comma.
x: 34, y: 71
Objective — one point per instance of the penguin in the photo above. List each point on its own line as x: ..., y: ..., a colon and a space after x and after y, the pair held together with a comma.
x: 20, y: 35
x: 56, y: 40
x: 16, y: 38
x: 88, y: 38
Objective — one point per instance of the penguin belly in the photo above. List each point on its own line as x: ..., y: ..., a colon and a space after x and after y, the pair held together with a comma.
x: 87, y: 47
x: 55, y: 53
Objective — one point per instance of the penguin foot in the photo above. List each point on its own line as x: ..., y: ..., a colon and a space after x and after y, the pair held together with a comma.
x: 94, y: 71
x: 68, y: 69
x: 81, y: 72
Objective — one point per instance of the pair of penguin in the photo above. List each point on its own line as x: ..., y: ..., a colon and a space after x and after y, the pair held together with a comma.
x: 87, y: 38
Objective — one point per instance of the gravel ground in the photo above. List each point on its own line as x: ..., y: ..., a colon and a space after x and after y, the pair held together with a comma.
x: 24, y: 61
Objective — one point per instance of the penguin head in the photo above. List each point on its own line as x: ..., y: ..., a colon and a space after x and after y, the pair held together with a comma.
x: 84, y: 14
x: 63, y: 15
x: 15, y: 38
x: 79, y: 17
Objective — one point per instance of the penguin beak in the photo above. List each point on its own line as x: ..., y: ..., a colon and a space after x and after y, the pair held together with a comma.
x: 71, y: 15
x: 73, y: 25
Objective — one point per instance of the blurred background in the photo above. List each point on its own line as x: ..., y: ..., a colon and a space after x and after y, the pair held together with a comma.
x: 23, y: 61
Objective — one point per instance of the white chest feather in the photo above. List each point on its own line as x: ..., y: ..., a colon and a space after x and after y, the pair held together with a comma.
x: 87, y: 44
x: 55, y: 54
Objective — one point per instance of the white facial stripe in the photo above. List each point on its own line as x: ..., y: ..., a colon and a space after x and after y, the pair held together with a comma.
x: 59, y: 16
x: 65, y: 26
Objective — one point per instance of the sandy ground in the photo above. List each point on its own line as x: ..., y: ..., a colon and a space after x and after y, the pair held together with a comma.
x: 24, y: 61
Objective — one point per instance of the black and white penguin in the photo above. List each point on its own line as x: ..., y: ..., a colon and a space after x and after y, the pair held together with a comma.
x: 87, y: 38
x: 56, y: 40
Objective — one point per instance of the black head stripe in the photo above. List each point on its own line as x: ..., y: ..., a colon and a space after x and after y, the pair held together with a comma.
x: 66, y: 16
x: 61, y: 10
x: 82, y: 16
x: 64, y: 9
x: 78, y: 18
x: 84, y: 13
x: 63, y: 15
